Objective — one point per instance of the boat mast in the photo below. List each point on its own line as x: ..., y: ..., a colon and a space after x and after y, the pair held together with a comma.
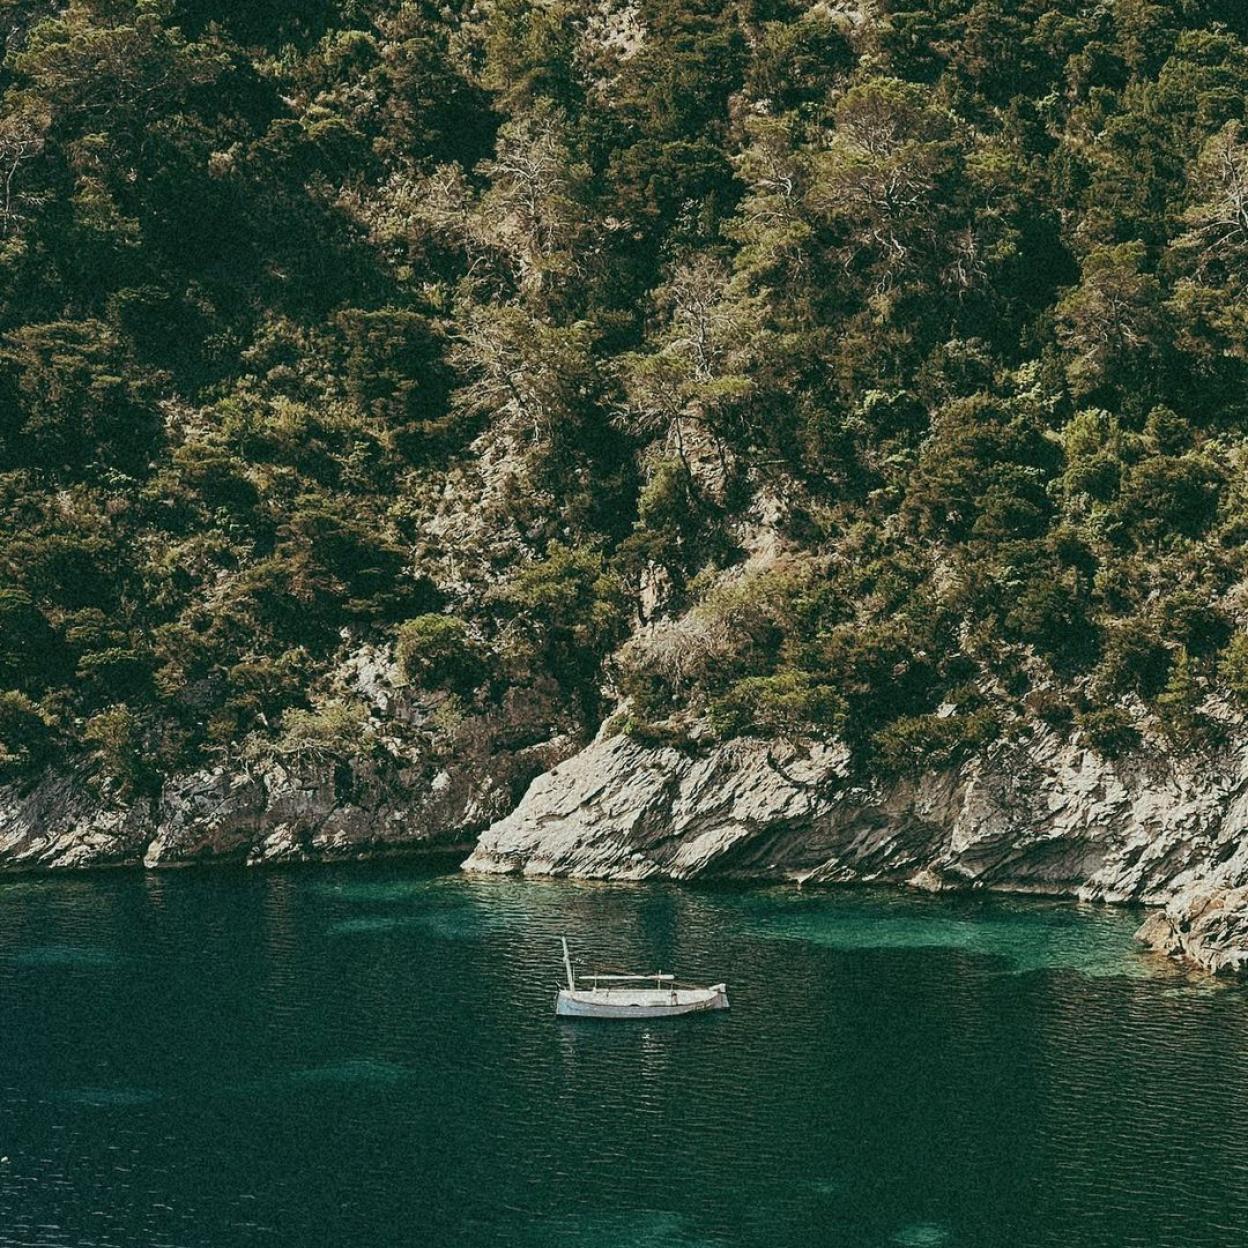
x: 567, y: 964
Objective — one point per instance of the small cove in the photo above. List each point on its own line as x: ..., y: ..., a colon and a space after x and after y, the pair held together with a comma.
x: 368, y: 1055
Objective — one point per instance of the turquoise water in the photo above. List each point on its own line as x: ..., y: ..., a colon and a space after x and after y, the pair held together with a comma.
x: 365, y: 1057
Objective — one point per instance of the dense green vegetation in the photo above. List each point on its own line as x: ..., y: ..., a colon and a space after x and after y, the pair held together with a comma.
x: 498, y: 330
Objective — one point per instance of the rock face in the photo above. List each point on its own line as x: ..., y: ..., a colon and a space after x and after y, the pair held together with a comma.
x: 1207, y: 927
x: 358, y: 807
x: 60, y: 822
x: 1045, y: 816
x: 416, y: 783
x: 267, y: 812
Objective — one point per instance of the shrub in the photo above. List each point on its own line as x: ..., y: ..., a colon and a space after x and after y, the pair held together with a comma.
x: 25, y: 734
x: 797, y: 61
x: 786, y: 704
x: 657, y: 734
x: 335, y: 728
x: 1090, y: 433
x: 214, y: 475
x: 1098, y: 477
x: 572, y: 607
x: 1191, y: 621
x: 344, y: 559
x: 1134, y: 660
x: 1168, y: 431
x: 1178, y: 705
x: 437, y: 652
x: 30, y: 655
x: 1006, y: 512
x: 1167, y: 496
x: 120, y: 750
x: 983, y: 464
x: 1109, y: 730
x: 886, y: 672
x: 916, y: 743
x: 257, y: 691
x: 568, y: 612
x: 1233, y: 667
x: 117, y: 672
x: 674, y: 526
x: 72, y: 397
x: 737, y: 630
x: 1050, y: 615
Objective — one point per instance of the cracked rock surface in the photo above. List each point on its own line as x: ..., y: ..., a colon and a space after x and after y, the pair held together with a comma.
x: 1045, y: 816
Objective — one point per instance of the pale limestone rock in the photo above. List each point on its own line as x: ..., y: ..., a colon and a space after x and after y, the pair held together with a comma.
x: 1206, y: 927
x: 1044, y: 815
x: 60, y: 821
x: 423, y: 784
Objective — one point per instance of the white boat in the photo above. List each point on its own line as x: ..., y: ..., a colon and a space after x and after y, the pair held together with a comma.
x: 633, y: 996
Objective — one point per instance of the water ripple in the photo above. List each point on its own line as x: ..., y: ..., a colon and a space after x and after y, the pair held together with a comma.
x: 298, y: 1058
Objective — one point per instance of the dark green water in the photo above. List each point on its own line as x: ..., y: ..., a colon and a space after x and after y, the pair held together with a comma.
x: 368, y: 1057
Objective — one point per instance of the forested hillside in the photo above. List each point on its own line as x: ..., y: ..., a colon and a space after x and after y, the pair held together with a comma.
x: 867, y: 370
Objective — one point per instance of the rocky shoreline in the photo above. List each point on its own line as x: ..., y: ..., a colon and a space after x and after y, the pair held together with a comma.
x: 1044, y: 816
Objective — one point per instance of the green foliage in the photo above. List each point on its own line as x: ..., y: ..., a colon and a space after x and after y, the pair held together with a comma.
x: 1051, y: 614
x: 25, y: 735
x: 1135, y: 660
x: 1178, y: 704
x: 333, y: 729
x: 787, y: 703
x: 530, y: 323
x: 1109, y: 730
x: 30, y: 653
x: 72, y: 400
x: 119, y: 745
x: 734, y: 633
x: 983, y: 473
x: 675, y: 529
x: 437, y: 652
x: 259, y: 690
x: 569, y: 609
x: 915, y: 743
x: 1111, y: 324
x: 1167, y: 497
x: 1233, y: 668
x: 796, y: 63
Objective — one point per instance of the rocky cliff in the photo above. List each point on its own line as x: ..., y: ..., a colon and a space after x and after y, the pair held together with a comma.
x: 422, y: 774
x: 1045, y: 816
x: 274, y: 810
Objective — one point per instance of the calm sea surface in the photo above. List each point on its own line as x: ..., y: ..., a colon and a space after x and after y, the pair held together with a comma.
x: 366, y: 1057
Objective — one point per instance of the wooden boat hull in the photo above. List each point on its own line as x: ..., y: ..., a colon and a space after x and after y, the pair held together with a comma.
x: 640, y: 1003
